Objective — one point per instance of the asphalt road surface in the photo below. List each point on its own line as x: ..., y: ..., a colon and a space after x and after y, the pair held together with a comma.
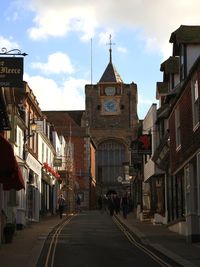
x: 92, y: 239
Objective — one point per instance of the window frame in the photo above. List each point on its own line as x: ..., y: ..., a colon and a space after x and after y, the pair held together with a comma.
x: 195, y: 102
x: 177, y: 128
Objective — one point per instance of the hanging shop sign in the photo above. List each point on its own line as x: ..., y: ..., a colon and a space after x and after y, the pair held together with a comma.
x: 11, y: 71
x: 142, y: 145
x: 145, y: 144
x: 57, y: 162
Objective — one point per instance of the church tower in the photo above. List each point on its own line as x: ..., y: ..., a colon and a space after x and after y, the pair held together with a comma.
x: 111, y: 111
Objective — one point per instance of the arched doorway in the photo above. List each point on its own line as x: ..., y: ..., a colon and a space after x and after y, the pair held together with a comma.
x: 110, y: 158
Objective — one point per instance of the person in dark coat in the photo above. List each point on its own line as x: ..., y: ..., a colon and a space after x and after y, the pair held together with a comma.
x: 125, y: 204
x: 104, y: 203
x: 111, y: 204
x: 78, y: 203
x: 61, y: 205
x: 116, y: 203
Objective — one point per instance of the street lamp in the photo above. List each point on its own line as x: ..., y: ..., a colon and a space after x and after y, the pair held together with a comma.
x: 32, y: 131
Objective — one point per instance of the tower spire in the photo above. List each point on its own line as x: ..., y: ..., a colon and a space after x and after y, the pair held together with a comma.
x: 110, y: 74
x: 110, y: 44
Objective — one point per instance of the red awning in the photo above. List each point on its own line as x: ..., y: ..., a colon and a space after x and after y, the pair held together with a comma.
x: 51, y: 170
x: 10, y: 174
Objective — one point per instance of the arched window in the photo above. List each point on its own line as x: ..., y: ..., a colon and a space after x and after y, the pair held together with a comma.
x: 110, y: 158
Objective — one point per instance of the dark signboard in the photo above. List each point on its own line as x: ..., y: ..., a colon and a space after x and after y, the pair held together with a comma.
x: 11, y: 71
x: 57, y: 162
x: 142, y: 145
x: 145, y: 144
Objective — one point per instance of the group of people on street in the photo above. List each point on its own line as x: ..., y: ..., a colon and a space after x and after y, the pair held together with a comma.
x: 114, y: 204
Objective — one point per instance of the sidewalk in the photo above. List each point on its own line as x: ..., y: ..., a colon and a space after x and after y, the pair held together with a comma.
x: 167, y: 242
x: 27, y: 244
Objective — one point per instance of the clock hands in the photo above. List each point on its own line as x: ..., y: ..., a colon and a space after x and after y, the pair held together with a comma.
x: 110, y: 106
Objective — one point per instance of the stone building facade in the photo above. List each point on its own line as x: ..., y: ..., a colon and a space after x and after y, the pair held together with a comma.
x: 111, y: 115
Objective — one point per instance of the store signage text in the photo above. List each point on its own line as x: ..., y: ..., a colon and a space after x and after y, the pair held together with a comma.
x: 11, y: 72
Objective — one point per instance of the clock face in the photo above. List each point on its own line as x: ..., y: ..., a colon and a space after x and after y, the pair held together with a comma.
x: 110, y: 90
x: 110, y: 105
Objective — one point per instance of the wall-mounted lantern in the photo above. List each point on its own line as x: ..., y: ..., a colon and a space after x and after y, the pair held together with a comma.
x: 32, y: 131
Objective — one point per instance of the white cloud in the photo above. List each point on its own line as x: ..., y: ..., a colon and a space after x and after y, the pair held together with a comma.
x: 58, y: 18
x: 57, y: 63
x: 74, y: 93
x: 122, y: 49
x: 154, y: 19
x: 8, y: 43
x: 143, y: 101
x: 51, y: 97
x: 13, y: 17
x: 105, y: 35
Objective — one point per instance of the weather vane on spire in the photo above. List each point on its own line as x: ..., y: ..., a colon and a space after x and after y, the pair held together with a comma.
x: 110, y: 44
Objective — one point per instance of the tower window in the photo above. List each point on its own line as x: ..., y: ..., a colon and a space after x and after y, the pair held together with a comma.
x: 111, y: 155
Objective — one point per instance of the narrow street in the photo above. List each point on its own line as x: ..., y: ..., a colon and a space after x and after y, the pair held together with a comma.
x: 93, y: 239
x: 100, y: 108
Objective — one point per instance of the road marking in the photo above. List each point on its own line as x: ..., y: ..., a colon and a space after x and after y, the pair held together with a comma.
x: 54, y: 241
x: 139, y: 245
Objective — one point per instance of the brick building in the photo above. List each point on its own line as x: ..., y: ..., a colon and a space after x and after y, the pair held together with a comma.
x: 70, y: 124
x: 178, y: 121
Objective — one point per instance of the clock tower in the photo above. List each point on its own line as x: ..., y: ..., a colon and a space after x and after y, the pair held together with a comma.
x: 112, y: 120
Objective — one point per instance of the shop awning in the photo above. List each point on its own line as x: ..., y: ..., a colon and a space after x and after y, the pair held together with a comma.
x: 10, y: 174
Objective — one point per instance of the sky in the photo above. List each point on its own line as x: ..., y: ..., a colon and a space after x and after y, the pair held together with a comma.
x: 67, y: 44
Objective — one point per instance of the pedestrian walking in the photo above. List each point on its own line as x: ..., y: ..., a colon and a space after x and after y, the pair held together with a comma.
x: 104, y: 203
x: 61, y: 205
x: 124, y: 205
x: 78, y: 203
x: 111, y: 204
x: 116, y: 203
